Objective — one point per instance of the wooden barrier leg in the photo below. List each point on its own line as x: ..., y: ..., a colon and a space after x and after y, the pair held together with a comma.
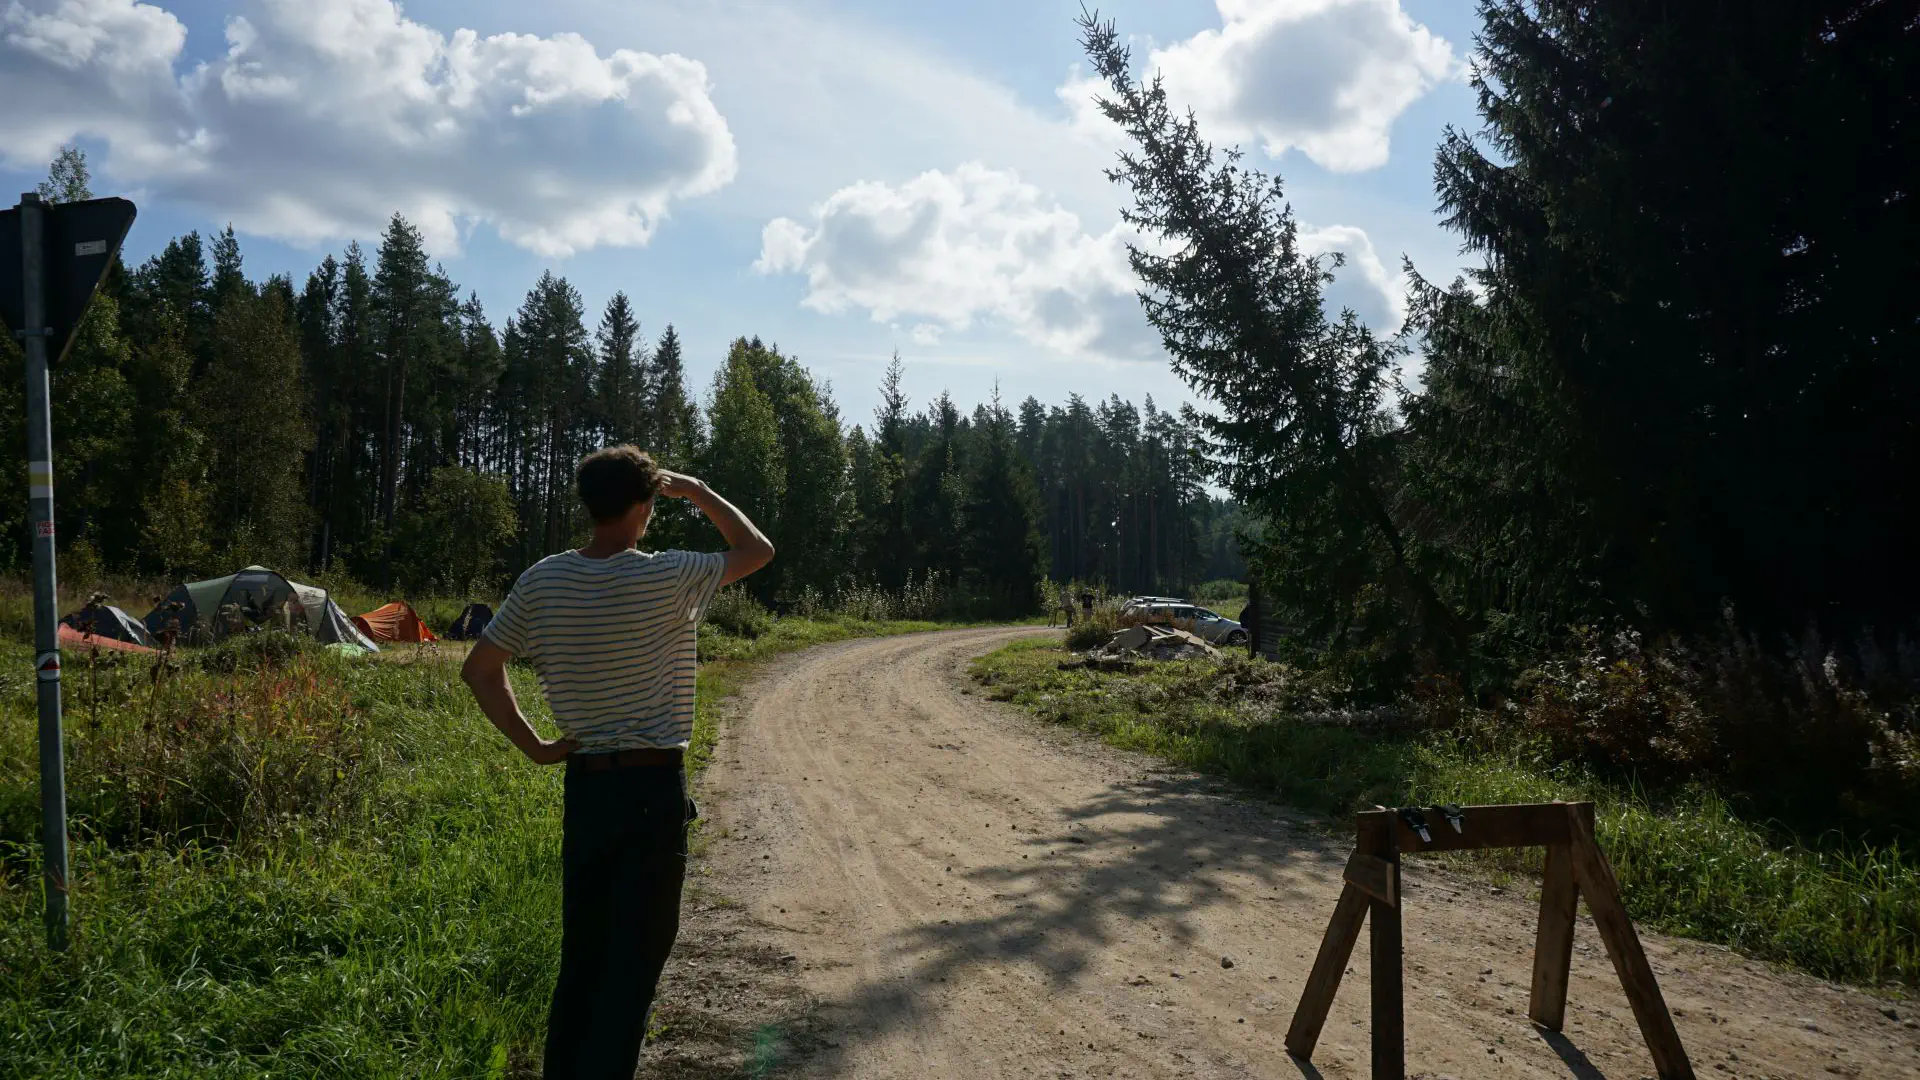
x: 1553, y: 946
x: 1389, y: 1016
x: 1335, y: 949
x: 1602, y: 890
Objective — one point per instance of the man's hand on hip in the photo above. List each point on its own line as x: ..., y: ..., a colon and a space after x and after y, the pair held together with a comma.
x: 550, y: 751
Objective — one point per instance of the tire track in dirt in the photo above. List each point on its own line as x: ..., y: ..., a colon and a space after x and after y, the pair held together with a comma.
x: 969, y: 893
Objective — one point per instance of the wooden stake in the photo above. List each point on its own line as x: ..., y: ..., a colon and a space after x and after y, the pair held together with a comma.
x: 1602, y: 891
x: 1553, y: 947
x: 1376, y: 829
x: 1316, y: 1000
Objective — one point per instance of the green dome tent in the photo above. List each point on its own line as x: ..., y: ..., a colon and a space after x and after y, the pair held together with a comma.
x: 107, y: 621
x: 253, y: 598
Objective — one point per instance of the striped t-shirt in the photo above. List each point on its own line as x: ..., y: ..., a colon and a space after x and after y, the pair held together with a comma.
x: 613, y: 642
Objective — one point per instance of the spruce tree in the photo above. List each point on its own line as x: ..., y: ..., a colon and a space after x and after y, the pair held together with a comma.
x: 1238, y: 308
x: 1685, y: 366
x: 744, y: 458
x: 675, y: 417
x: 620, y: 390
x: 1003, y: 549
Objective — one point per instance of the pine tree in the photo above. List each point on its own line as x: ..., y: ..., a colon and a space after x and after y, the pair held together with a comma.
x: 744, y: 459
x: 1238, y: 308
x: 620, y: 391
x: 251, y: 405
x: 1685, y: 366
x: 1004, y: 551
x: 676, y: 419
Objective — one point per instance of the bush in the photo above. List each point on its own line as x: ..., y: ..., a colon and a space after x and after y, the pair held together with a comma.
x: 1219, y: 591
x: 1091, y: 632
x: 242, y: 742
x: 920, y: 599
x: 1817, y: 731
x: 735, y: 611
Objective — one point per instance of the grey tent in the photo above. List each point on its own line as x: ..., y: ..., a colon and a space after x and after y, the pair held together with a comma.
x: 254, y: 598
x: 473, y: 619
x: 107, y: 621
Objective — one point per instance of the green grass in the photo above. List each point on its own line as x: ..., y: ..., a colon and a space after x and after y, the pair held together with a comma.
x: 416, y: 938
x: 1688, y: 864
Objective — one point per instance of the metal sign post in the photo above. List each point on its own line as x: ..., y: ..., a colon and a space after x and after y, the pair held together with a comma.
x: 46, y: 615
x: 61, y: 252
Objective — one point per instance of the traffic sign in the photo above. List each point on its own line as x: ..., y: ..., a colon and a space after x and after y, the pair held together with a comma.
x: 80, y: 243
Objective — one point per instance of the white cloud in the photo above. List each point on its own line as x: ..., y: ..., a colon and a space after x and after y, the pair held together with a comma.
x: 322, y: 117
x: 1364, y: 283
x: 981, y: 245
x: 972, y: 244
x: 1326, y: 77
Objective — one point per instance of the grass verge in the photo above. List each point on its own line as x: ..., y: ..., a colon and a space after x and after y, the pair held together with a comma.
x: 1689, y: 864
x: 412, y: 933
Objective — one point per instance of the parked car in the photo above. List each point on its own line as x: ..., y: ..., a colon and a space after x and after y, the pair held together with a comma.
x: 1140, y: 602
x: 1215, y: 628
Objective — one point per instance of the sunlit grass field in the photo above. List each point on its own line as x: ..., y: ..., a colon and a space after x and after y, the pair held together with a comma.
x: 290, y: 863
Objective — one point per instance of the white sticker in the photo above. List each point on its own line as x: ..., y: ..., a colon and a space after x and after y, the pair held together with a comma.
x: 90, y: 247
x: 48, y: 665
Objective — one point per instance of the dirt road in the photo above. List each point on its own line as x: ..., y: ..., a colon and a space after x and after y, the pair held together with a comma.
x: 968, y: 893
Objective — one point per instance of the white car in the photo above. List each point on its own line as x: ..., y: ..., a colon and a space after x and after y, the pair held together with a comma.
x: 1215, y: 628
x: 1139, y: 602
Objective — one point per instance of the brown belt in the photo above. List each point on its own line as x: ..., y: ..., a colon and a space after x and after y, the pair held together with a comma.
x: 645, y: 757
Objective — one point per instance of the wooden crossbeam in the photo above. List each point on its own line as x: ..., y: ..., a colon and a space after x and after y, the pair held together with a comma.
x: 1575, y: 867
x: 1499, y: 826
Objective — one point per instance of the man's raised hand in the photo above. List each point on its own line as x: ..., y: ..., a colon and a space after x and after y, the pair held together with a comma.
x: 678, y: 485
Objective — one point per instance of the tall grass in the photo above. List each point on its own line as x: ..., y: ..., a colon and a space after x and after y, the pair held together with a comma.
x: 1689, y: 862
x: 254, y: 921
x: 922, y: 597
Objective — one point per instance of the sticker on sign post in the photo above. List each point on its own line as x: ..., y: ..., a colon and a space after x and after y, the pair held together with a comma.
x: 43, y: 528
x: 47, y: 664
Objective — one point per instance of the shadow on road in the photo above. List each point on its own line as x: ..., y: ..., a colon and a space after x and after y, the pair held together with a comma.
x: 1147, y: 853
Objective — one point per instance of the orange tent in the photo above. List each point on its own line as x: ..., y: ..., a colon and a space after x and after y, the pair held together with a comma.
x: 70, y: 638
x: 395, y: 622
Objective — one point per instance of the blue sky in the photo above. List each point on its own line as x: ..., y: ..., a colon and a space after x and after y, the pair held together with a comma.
x: 842, y: 177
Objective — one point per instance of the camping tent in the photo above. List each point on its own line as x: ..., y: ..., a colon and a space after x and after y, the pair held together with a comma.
x: 108, y: 622
x: 253, y: 598
x: 473, y: 619
x: 394, y: 622
x: 80, y: 640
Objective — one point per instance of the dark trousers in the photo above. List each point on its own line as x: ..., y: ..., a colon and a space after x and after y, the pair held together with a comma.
x: 623, y: 857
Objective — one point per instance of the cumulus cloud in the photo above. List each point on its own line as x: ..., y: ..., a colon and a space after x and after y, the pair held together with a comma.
x: 1326, y: 77
x: 322, y: 117
x: 953, y: 248
x: 1363, y: 283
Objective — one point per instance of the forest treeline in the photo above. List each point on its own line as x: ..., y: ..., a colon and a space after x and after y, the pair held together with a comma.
x: 372, y: 421
x: 1653, y: 493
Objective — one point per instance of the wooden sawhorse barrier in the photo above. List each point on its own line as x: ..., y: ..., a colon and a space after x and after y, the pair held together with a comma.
x: 1574, y: 867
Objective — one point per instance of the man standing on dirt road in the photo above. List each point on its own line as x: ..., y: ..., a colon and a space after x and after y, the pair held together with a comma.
x: 610, y: 630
